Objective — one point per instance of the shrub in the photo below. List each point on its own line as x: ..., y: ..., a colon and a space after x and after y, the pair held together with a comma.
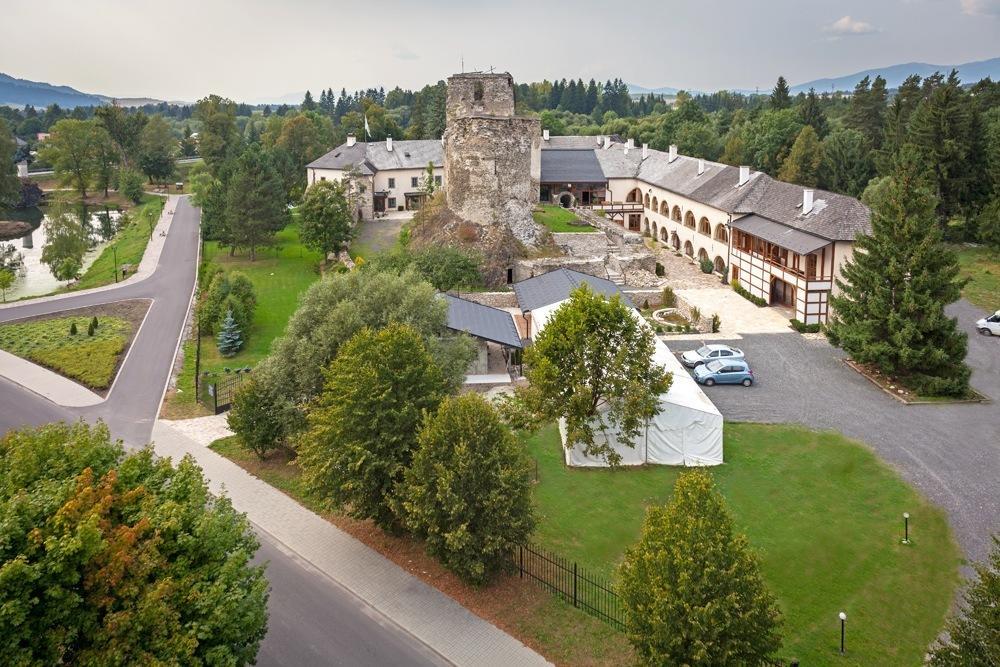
x: 645, y: 304
x: 227, y: 291
x: 256, y: 417
x: 90, y: 328
x: 93, y: 321
x: 468, y: 491
x: 802, y: 327
x: 756, y: 300
x: 659, y: 329
x: 669, y: 298
x: 695, y: 315
x: 707, y: 266
x: 691, y: 587
x: 72, y: 329
x: 130, y: 185
x: 660, y: 270
x: 716, y: 323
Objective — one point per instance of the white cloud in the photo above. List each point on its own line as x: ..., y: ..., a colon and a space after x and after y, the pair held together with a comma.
x: 981, y: 7
x: 849, y: 26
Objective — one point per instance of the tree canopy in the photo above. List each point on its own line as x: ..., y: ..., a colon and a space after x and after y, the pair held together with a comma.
x: 326, y: 223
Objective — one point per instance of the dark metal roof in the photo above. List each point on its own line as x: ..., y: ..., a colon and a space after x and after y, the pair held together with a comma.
x: 482, y: 321
x: 556, y: 286
x: 780, y: 234
x: 567, y: 165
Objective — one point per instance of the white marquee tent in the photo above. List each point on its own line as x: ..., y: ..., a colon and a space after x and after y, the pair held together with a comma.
x: 686, y: 432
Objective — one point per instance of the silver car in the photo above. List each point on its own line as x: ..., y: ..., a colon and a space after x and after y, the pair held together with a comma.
x: 706, y: 353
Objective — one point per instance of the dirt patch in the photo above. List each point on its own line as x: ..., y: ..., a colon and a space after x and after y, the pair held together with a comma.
x: 132, y: 311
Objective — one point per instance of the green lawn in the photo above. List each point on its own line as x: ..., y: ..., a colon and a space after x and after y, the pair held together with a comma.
x: 824, y: 514
x: 982, y: 267
x: 91, y: 360
x: 558, y: 219
x: 129, y: 244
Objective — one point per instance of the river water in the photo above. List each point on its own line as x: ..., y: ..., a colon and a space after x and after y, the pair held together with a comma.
x: 37, y: 279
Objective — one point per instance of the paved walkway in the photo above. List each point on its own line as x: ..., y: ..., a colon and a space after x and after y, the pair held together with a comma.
x: 452, y: 631
x: 203, y: 430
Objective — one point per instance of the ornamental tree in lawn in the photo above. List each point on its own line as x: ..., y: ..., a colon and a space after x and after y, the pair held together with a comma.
x: 325, y: 223
x: 115, y: 559
x: 974, y: 637
x: 363, y: 426
x: 593, y: 365
x: 468, y: 491
x: 692, y: 590
x: 230, y: 339
x: 255, y: 201
x: 890, y: 312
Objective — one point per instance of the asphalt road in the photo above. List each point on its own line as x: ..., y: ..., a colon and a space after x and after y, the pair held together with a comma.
x: 312, y: 619
x: 951, y: 453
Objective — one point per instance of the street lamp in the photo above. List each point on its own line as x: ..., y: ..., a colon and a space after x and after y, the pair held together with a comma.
x: 906, y: 527
x: 843, y: 622
x: 114, y: 251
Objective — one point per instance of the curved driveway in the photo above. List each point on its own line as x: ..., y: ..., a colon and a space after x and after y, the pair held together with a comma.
x: 313, y: 620
x: 950, y: 452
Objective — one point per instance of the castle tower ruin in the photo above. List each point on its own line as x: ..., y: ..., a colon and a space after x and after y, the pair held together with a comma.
x: 492, y: 157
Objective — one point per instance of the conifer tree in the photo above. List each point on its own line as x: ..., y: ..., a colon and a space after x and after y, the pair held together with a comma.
x: 692, y: 590
x: 803, y: 162
x: 230, y: 339
x: 867, y: 109
x: 780, y: 97
x: 890, y: 312
x: 812, y: 113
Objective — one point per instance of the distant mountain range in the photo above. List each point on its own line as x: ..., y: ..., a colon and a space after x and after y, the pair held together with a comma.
x: 893, y: 75
x: 19, y: 92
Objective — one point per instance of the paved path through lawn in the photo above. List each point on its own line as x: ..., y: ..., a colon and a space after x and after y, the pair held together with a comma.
x: 951, y: 453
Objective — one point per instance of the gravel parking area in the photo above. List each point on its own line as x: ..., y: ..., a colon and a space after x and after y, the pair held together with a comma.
x: 950, y: 452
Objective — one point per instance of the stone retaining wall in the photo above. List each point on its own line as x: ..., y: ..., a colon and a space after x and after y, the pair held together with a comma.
x: 494, y: 299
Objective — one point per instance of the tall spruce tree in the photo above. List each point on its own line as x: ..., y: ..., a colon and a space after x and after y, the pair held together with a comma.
x: 890, y: 312
x: 812, y: 113
x: 780, y: 97
x: 867, y: 110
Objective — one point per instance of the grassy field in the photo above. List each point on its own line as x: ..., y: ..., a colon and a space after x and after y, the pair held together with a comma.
x: 982, y: 268
x: 279, y: 275
x: 822, y: 511
x: 129, y: 244
x: 559, y: 219
x: 91, y: 360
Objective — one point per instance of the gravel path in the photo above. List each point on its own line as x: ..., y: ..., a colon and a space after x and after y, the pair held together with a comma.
x: 950, y: 452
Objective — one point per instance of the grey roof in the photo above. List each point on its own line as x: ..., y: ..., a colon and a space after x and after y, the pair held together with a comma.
x: 567, y: 165
x: 18, y: 141
x: 556, y: 285
x: 482, y: 321
x: 373, y: 156
x: 834, y: 216
x: 785, y: 236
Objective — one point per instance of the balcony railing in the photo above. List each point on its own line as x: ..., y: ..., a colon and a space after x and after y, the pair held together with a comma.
x: 771, y: 261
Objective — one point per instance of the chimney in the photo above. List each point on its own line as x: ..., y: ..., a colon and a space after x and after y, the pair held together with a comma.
x: 351, y: 140
x: 22, y: 169
x: 672, y: 153
x: 545, y: 135
x: 744, y: 176
x: 388, y: 144
x: 645, y: 151
x: 807, y: 201
x: 630, y: 143
x: 701, y: 166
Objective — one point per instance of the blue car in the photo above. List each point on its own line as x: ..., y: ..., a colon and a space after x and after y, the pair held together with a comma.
x: 730, y: 371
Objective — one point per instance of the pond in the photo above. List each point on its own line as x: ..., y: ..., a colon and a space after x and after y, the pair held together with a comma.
x: 35, y: 278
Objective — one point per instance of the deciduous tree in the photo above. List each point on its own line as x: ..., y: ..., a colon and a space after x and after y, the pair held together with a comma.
x: 890, y: 312
x: 326, y: 220
x: 593, y: 365
x: 363, y: 427
x: 70, y: 149
x: 108, y: 558
x: 156, y: 150
x: 10, y: 186
x: 692, y: 589
x: 66, y: 242
x: 468, y: 490
x: 802, y: 166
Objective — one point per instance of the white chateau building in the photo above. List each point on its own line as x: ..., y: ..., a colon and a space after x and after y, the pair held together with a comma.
x: 783, y: 243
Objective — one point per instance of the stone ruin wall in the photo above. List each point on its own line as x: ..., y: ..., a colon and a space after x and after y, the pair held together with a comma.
x: 491, y: 172
x: 479, y: 94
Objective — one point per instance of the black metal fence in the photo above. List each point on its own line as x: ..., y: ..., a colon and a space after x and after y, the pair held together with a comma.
x: 592, y: 593
x: 216, y: 392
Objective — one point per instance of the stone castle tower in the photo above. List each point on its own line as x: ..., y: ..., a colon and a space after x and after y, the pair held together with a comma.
x: 492, y: 158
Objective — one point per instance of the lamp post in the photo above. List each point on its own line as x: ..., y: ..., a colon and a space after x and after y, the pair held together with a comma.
x: 843, y: 623
x: 114, y: 251
x: 906, y: 527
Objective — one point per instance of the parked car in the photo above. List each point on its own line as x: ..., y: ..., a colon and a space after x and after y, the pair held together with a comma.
x: 989, y: 326
x: 729, y: 371
x: 706, y: 353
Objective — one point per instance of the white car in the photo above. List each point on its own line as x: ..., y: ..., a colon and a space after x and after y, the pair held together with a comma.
x: 989, y: 326
x: 705, y: 353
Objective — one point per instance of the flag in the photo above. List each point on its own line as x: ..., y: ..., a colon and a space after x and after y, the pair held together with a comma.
x: 368, y: 130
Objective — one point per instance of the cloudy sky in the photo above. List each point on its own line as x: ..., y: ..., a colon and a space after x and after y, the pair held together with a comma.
x: 264, y: 49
